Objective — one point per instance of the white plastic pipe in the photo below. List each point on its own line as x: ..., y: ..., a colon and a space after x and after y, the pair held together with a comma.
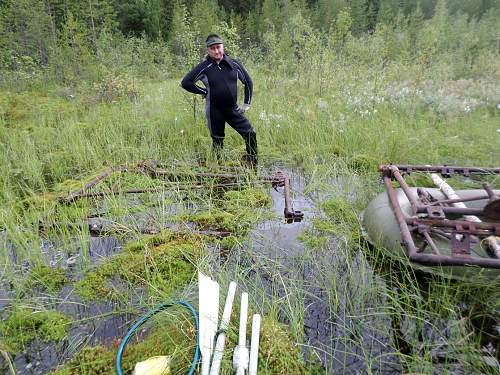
x: 450, y: 194
x: 208, y: 306
x: 240, y: 356
x: 254, y: 345
x: 221, y: 338
x: 242, y: 338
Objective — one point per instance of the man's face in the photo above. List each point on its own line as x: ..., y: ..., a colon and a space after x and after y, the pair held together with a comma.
x: 216, y: 52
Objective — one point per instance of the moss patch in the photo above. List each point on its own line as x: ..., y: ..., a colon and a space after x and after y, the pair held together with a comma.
x: 24, y: 325
x: 172, y: 334
x: 47, y: 278
x: 165, y: 261
x: 236, y: 212
x: 175, y: 338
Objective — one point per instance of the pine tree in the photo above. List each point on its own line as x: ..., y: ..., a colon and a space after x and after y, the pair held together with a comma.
x: 182, y: 37
x: 25, y: 29
x: 359, y: 16
x: 387, y: 11
x: 415, y: 24
x: 271, y: 15
x: 207, y: 14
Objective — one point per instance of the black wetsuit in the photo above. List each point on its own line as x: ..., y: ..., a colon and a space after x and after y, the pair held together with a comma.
x: 220, y: 80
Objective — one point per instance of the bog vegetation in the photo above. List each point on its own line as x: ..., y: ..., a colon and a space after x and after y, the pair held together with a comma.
x: 340, y: 87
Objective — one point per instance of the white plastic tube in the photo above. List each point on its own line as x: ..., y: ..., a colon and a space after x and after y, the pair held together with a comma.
x: 254, y: 345
x: 240, y: 356
x: 242, y: 338
x: 221, y: 338
x: 208, y: 302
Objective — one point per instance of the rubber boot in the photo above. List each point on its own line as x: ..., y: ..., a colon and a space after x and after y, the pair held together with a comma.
x: 251, y: 147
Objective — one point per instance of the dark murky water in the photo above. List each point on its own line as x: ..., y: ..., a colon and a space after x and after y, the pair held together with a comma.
x: 346, y: 331
x: 328, y: 326
x: 96, y: 322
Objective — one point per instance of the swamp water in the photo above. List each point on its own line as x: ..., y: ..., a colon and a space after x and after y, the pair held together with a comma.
x: 330, y: 294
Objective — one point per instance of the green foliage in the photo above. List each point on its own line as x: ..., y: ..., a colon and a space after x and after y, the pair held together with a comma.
x: 24, y: 325
x: 164, y: 260
x: 75, y: 57
x: 114, y: 87
x: 174, y: 336
x: 342, y: 26
x: 237, y: 212
x: 48, y: 278
x: 184, y: 37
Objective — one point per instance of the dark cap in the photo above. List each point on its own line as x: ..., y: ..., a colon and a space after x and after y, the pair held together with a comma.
x: 213, y: 39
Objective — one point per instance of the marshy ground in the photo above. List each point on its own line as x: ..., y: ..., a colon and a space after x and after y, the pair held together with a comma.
x: 75, y: 274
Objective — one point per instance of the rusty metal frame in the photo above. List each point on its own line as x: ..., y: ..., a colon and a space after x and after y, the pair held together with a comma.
x: 226, y: 180
x: 462, y: 234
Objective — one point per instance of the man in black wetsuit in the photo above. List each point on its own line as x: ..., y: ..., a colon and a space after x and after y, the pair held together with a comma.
x: 219, y: 73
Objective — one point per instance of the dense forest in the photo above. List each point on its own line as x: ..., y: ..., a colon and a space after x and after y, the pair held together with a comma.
x: 70, y: 41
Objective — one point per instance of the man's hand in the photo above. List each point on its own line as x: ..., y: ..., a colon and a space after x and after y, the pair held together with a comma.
x: 242, y: 109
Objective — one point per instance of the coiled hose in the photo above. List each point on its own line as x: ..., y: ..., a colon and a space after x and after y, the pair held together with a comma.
x: 145, y: 318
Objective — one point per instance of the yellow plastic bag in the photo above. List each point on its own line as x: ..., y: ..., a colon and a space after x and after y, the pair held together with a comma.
x: 159, y: 365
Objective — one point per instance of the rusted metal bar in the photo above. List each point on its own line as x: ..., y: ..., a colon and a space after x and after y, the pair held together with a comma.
x: 411, y: 198
x: 154, y: 190
x: 460, y: 233
x: 99, y: 229
x: 442, y: 169
x: 466, y: 226
x: 450, y: 201
x: 290, y: 214
x: 403, y: 227
x: 430, y: 241
x: 445, y: 260
x: 75, y: 195
x: 452, y: 210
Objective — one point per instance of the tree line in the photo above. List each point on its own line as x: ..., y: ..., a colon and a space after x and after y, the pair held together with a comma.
x: 37, y: 34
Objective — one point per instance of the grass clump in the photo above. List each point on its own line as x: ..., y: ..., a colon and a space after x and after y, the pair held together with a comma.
x: 165, y: 261
x: 24, y: 325
x: 236, y: 212
x: 47, y: 278
x: 341, y: 220
x: 278, y: 354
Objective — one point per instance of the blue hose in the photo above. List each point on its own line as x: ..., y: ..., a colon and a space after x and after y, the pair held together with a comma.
x: 143, y: 319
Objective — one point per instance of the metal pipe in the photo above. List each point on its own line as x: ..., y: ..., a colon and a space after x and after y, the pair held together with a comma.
x: 493, y: 228
x: 443, y: 169
x: 411, y: 198
x: 454, y: 210
x: 407, y: 239
x: 254, y: 345
x: 444, y: 260
x: 288, y: 201
x: 449, y: 201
